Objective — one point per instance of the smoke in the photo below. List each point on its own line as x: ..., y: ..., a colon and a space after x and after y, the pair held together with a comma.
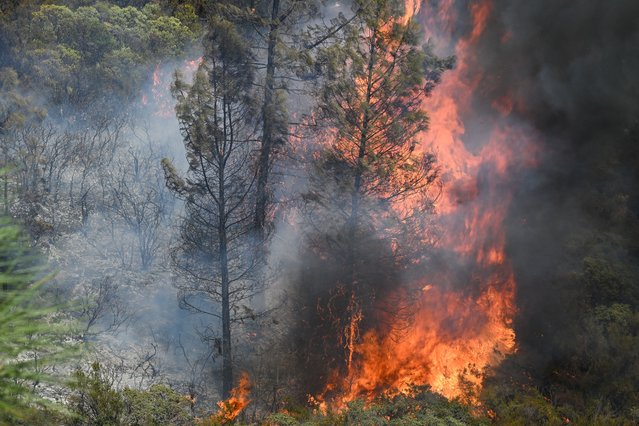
x: 115, y: 261
x: 569, y: 71
x: 560, y: 80
x: 541, y: 94
x: 571, y: 67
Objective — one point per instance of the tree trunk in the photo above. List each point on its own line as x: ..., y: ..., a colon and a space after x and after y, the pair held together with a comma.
x: 357, y: 186
x: 267, y: 124
x: 354, y: 308
x: 227, y: 359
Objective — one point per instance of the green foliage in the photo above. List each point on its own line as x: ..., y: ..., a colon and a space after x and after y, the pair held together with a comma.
x: 578, y: 329
x: 357, y: 413
x: 520, y: 407
x: 426, y: 407
x: 96, y: 402
x: 158, y: 405
x: 187, y: 16
x: 280, y: 419
x: 29, y: 341
x: 15, y: 109
x: 78, y: 54
x: 422, y: 408
x: 175, y: 7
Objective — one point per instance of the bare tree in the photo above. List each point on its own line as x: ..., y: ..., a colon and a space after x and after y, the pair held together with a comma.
x: 139, y: 200
x: 101, y: 307
x: 94, y: 149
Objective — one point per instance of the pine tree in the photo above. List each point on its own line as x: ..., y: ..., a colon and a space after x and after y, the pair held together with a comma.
x: 376, y: 82
x: 215, y: 253
x: 29, y: 341
x: 370, y: 188
x: 275, y: 28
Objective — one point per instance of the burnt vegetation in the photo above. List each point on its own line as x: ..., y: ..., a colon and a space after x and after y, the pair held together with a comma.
x: 279, y: 212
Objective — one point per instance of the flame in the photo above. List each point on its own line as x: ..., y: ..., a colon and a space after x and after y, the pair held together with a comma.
x: 411, y: 8
x: 191, y: 66
x: 229, y: 409
x: 460, y: 328
x: 156, y: 77
x: 159, y: 100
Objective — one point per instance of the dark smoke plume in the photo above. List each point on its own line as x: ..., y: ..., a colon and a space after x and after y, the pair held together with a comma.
x: 571, y: 70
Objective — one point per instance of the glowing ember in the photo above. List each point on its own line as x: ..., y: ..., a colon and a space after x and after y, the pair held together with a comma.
x: 460, y: 328
x: 239, y: 399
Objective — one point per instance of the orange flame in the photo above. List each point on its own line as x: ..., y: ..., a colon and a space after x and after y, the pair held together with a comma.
x: 239, y: 399
x: 191, y: 66
x: 411, y: 8
x: 161, y: 102
x: 456, y: 333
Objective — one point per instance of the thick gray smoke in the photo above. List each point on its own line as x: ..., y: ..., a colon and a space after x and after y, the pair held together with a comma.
x: 116, y: 261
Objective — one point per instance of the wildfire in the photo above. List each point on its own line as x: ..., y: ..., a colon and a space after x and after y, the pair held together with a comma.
x: 159, y: 99
x: 460, y: 328
x: 411, y: 8
x: 239, y: 399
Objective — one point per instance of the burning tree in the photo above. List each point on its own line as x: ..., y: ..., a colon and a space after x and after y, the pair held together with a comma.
x: 216, y: 114
x: 369, y: 181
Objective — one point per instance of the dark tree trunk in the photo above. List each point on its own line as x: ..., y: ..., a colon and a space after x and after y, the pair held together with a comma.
x: 227, y: 359
x: 357, y: 186
x: 268, y: 110
x: 354, y: 307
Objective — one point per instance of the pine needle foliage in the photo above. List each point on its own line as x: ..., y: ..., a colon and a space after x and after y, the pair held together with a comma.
x: 32, y: 336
